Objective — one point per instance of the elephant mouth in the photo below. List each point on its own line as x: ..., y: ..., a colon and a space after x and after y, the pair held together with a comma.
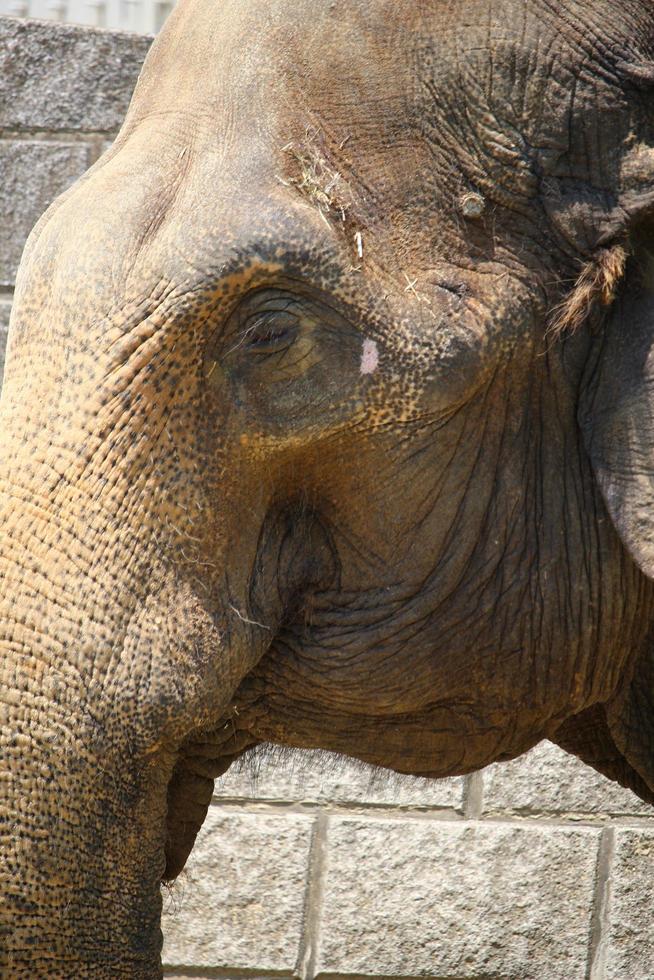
x: 201, y: 760
x: 209, y: 752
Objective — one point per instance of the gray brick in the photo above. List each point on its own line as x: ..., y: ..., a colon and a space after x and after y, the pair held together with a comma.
x: 5, y: 310
x: 320, y: 777
x: 240, y: 904
x: 549, y: 780
x: 630, y: 943
x: 32, y: 174
x: 56, y: 76
x: 457, y: 900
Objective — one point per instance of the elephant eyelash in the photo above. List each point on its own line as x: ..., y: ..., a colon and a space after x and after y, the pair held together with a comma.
x: 250, y: 339
x: 597, y: 282
x: 271, y: 332
x: 268, y: 336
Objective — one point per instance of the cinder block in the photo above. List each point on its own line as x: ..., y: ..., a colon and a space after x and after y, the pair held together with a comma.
x: 548, y: 780
x: 457, y: 900
x: 5, y: 310
x: 57, y: 76
x: 239, y: 905
x: 319, y: 777
x: 629, y: 948
x: 32, y: 174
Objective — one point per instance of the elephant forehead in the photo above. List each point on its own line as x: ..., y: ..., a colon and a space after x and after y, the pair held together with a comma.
x: 365, y: 53
x: 273, y: 94
x: 238, y: 50
x: 385, y: 113
x: 155, y: 221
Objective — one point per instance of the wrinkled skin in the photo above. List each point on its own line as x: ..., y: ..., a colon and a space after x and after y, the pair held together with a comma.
x: 289, y: 452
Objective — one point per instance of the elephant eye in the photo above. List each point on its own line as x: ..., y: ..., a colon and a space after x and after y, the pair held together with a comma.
x: 270, y: 332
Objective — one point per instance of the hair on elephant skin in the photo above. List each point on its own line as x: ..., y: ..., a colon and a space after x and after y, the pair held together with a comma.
x: 328, y: 422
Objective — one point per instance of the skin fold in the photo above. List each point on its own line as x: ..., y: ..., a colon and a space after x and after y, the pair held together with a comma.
x: 328, y: 421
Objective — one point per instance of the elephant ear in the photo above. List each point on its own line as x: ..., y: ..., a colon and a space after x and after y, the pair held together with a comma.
x: 588, y: 735
x: 616, y: 408
x: 616, y: 414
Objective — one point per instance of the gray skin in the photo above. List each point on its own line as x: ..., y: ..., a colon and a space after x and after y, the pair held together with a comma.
x: 290, y: 451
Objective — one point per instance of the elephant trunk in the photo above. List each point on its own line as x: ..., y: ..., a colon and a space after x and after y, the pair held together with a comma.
x: 80, y: 839
x: 108, y: 661
x: 125, y: 621
x: 80, y: 871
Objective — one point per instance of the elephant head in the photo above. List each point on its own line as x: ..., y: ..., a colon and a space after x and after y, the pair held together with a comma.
x: 328, y: 420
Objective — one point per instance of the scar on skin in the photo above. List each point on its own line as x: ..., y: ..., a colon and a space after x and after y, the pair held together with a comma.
x: 369, y: 357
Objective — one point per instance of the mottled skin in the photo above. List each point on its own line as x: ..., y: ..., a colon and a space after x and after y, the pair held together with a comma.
x: 288, y: 452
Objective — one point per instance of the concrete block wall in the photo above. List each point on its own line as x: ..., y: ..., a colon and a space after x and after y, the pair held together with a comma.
x: 313, y: 866
x: 63, y: 93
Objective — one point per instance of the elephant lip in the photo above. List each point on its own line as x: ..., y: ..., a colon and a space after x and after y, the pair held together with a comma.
x: 190, y: 788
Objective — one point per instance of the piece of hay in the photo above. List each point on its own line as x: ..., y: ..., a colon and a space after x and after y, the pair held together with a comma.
x: 317, y: 181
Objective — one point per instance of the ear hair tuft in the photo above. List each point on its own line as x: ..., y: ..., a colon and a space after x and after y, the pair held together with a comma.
x: 597, y: 283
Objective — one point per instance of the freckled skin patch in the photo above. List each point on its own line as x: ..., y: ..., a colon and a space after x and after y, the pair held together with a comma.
x: 285, y: 451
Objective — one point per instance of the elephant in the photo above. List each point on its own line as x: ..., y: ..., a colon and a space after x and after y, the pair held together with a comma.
x: 327, y: 422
